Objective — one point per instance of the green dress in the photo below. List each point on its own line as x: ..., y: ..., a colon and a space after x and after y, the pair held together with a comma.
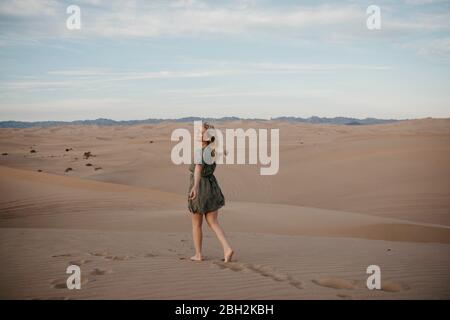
x: 209, y: 196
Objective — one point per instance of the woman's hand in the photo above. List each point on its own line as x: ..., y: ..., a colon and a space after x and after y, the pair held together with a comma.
x: 197, y: 175
x: 193, y: 193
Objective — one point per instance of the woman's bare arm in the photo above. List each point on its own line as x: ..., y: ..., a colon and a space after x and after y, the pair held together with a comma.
x: 197, y: 175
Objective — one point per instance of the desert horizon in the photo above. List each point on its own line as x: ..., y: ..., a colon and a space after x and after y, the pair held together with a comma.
x: 345, y: 197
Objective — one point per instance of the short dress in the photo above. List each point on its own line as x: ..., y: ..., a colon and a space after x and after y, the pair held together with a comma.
x: 209, y: 196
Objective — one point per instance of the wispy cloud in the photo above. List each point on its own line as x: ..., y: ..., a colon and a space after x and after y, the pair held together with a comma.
x: 423, y: 2
x: 186, y: 18
x: 154, y: 21
x: 233, y: 93
x: 435, y: 47
x: 31, y: 21
x: 85, y: 78
x: 29, y: 8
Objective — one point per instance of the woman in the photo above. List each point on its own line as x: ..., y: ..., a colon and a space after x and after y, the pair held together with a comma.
x: 206, y: 198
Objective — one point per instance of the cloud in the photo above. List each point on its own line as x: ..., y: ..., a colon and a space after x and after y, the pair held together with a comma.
x: 437, y: 47
x: 420, y: 23
x: 176, y: 18
x: 72, y: 79
x: 314, y: 67
x: 423, y: 2
x: 27, y: 8
x: 115, y: 19
x: 196, y: 20
x: 89, y: 78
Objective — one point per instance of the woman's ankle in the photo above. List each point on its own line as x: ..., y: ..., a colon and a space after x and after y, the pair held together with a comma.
x: 227, y: 249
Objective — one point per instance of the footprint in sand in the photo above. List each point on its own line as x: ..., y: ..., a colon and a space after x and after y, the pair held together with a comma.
x: 294, y: 282
x: 118, y: 258
x: 100, y: 272
x: 267, y: 272
x: 392, y: 286
x: 80, y: 262
x: 335, y: 283
x: 107, y: 256
x: 61, y: 283
x: 264, y: 271
x: 230, y: 265
x: 62, y: 255
x: 98, y: 253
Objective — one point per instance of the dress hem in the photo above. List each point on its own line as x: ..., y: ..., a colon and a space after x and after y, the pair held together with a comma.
x: 205, y: 212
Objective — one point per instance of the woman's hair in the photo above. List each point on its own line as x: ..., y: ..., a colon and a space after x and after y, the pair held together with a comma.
x: 211, y: 137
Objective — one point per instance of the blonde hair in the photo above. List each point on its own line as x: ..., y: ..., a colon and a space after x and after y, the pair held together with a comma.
x: 212, y: 138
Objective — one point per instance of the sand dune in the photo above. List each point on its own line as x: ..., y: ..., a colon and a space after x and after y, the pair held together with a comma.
x: 69, y: 202
x: 345, y: 198
x: 396, y: 170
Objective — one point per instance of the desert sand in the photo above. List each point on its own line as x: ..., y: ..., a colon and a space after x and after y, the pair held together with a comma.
x: 345, y: 197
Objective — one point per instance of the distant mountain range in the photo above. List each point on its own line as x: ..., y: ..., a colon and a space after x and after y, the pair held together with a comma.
x: 337, y: 120
x: 109, y: 122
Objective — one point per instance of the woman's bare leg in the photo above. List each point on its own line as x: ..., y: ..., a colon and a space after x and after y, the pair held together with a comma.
x: 211, y: 218
x: 197, y: 220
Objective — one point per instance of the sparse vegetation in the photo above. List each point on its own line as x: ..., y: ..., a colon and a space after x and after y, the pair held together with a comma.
x: 87, y: 155
x: 68, y: 169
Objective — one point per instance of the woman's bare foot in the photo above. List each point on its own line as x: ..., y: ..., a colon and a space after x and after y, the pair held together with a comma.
x: 197, y: 257
x: 228, y: 255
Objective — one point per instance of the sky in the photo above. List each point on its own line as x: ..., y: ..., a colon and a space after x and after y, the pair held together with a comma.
x: 246, y: 58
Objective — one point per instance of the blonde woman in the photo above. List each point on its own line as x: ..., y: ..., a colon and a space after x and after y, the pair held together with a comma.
x: 206, y: 198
